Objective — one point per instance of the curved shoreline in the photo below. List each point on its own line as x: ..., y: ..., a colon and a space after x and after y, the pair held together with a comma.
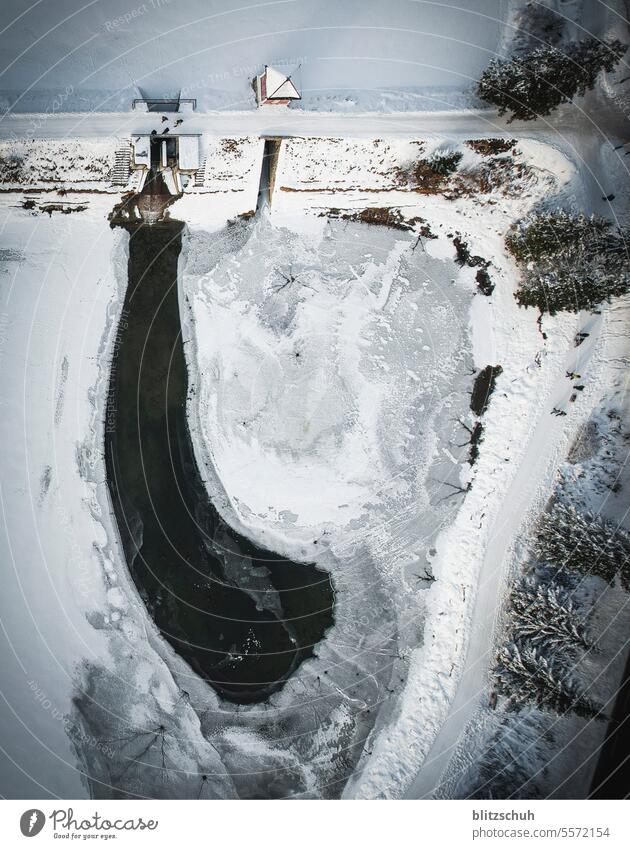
x: 242, y: 618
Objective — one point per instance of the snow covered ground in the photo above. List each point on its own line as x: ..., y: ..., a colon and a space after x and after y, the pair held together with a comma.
x: 351, y: 55
x: 292, y: 448
x: 331, y: 362
x: 58, y: 305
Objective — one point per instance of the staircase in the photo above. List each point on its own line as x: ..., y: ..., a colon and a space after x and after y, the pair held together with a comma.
x: 200, y: 174
x: 122, y: 166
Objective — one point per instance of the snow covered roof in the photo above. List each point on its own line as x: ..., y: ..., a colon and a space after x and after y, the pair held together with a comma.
x: 279, y: 85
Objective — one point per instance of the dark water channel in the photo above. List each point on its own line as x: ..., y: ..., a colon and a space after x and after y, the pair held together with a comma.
x: 243, y: 618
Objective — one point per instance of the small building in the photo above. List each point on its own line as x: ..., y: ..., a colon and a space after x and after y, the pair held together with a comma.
x: 172, y: 155
x: 274, y: 88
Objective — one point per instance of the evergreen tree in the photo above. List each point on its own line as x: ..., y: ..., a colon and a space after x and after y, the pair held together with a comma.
x: 582, y: 542
x: 569, y: 262
x: 538, y: 81
x: 546, y: 615
x: 525, y: 674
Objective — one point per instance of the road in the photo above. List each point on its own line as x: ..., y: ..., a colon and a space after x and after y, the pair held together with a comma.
x: 272, y: 121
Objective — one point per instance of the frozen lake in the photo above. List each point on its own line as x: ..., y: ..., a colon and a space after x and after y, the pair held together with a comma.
x: 67, y: 55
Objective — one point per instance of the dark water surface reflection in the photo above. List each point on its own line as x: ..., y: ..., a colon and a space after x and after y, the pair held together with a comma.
x: 243, y: 618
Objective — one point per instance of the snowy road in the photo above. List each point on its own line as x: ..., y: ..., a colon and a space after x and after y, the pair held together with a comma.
x: 568, y: 123
x: 281, y: 122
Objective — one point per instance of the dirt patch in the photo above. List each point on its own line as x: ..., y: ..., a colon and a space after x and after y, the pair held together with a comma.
x: 428, y: 176
x: 383, y: 216
x: 491, y: 147
x: 11, y: 170
x: 64, y: 209
x: 501, y: 174
x: 41, y: 161
x: 232, y: 146
x: 437, y: 174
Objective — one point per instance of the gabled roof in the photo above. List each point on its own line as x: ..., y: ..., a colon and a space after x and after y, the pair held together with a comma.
x: 279, y: 86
